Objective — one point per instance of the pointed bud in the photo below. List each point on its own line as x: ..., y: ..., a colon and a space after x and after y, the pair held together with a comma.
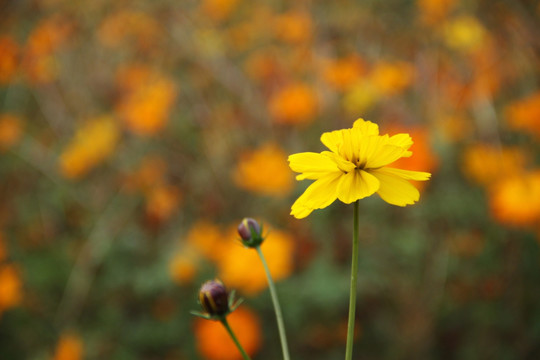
x: 214, y: 298
x: 250, y: 232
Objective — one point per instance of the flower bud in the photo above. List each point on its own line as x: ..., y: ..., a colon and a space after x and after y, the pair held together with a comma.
x: 214, y: 298
x: 250, y: 232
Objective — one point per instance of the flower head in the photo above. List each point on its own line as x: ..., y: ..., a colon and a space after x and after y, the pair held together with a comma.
x: 250, y: 232
x: 355, y: 167
x: 214, y: 297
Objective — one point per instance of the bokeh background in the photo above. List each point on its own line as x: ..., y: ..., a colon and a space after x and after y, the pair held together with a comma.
x: 135, y: 135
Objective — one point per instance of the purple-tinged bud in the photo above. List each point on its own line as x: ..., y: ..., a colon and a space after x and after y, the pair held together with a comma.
x: 214, y: 298
x: 250, y: 232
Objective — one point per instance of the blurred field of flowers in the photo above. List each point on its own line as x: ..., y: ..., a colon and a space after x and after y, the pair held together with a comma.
x: 135, y: 135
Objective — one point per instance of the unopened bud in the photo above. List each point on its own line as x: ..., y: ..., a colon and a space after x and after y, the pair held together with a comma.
x: 250, y: 232
x: 214, y: 298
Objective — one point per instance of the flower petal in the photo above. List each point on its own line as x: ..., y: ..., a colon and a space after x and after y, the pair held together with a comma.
x: 406, y: 174
x: 395, y: 190
x: 332, y: 140
x: 311, y: 165
x: 318, y: 195
x: 385, y: 155
x: 356, y: 185
x: 366, y: 127
x: 342, y: 164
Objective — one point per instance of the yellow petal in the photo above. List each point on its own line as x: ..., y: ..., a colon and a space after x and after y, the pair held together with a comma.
x: 356, y: 185
x: 342, y: 164
x: 402, y: 140
x: 332, y: 140
x: 385, y: 155
x: 311, y: 165
x: 368, y: 146
x: 395, y: 190
x: 406, y: 174
x: 318, y: 195
x: 366, y: 127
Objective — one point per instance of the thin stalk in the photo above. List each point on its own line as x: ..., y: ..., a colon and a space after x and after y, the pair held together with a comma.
x: 229, y: 330
x: 277, y: 308
x: 352, y: 295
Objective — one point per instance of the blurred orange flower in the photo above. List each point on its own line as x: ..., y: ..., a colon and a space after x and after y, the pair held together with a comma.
x: 424, y: 157
x: 93, y: 143
x: 162, y: 201
x: 293, y: 27
x: 146, y: 100
x: 432, y: 12
x: 240, y: 268
x: 218, y: 10
x: 263, y: 65
x: 391, y: 78
x: 10, y: 287
x: 485, y: 163
x: 214, y: 343
x: 264, y: 171
x: 3, y: 249
x: 343, y: 73
x: 208, y: 239
x: 39, y: 63
x: 9, y: 59
x: 182, y: 267
x: 524, y: 114
x: 150, y: 172
x: 294, y: 104
x: 516, y: 200
x: 69, y: 347
x: 10, y: 130
x: 129, y: 26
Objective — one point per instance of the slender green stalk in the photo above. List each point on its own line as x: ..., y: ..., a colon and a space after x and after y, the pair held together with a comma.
x: 354, y: 275
x: 277, y: 308
x: 229, y: 330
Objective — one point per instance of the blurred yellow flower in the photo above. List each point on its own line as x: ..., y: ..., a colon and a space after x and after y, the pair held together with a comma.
x: 294, y: 104
x: 391, y: 78
x: 10, y: 130
x: 9, y: 59
x: 342, y: 74
x: 524, y: 114
x: 485, y: 163
x: 93, y: 143
x: 240, y: 268
x: 10, y: 287
x: 214, y: 343
x: 355, y: 167
x: 146, y: 100
x: 69, y: 347
x: 516, y: 200
x: 264, y: 171
x: 464, y: 33
x: 293, y: 27
x: 361, y: 97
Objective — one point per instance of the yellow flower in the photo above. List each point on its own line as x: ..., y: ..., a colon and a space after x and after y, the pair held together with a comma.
x: 354, y: 168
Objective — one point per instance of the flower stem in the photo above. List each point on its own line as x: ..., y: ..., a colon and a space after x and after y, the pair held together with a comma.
x: 277, y: 308
x: 229, y: 330
x: 352, y: 295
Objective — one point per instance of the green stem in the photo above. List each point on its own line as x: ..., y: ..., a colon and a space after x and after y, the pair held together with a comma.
x: 229, y: 330
x: 354, y: 275
x: 277, y: 308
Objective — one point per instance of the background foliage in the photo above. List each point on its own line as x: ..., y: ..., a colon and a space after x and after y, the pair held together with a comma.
x: 135, y: 135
